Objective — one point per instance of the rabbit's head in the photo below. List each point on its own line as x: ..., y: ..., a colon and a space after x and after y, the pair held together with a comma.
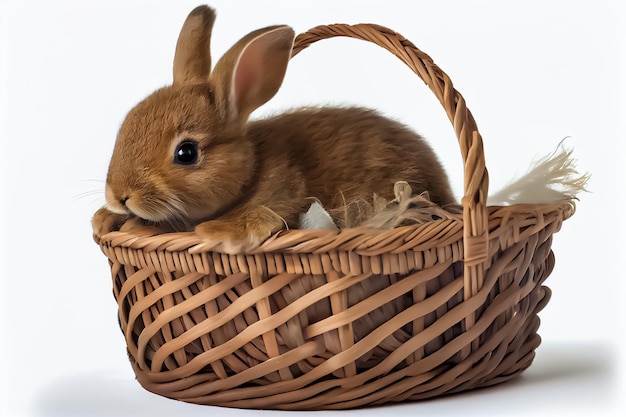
x: 181, y: 155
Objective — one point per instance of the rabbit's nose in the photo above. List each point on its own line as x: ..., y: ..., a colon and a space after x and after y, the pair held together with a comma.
x: 123, y: 201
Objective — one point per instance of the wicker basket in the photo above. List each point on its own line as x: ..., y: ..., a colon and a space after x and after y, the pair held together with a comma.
x: 335, y: 320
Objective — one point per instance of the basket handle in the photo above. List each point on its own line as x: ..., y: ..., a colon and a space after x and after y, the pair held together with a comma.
x: 476, y: 179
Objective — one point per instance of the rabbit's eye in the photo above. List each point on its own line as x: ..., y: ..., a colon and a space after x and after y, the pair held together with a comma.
x: 186, y: 153
x: 435, y: 217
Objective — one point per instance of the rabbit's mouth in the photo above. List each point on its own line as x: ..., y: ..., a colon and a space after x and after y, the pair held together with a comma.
x: 156, y: 208
x: 152, y: 215
x: 161, y: 209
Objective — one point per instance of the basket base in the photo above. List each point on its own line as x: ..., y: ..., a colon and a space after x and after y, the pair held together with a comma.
x: 484, y: 367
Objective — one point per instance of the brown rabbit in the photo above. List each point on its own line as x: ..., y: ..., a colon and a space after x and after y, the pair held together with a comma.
x: 186, y: 156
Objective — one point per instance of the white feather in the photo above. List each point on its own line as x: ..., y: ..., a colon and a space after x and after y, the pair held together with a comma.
x: 317, y: 218
x: 551, y: 178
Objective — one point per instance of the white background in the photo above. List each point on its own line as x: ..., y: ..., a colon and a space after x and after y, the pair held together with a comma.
x: 532, y: 72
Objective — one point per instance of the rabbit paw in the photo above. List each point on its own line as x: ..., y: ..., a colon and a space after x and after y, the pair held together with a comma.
x: 140, y: 227
x: 237, y: 234
x: 223, y: 236
x: 105, y: 221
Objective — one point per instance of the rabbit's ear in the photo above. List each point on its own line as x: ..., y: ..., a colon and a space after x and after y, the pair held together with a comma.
x: 192, y: 60
x: 251, y: 72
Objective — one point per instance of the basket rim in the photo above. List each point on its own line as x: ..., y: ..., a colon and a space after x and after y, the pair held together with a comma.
x: 360, y: 240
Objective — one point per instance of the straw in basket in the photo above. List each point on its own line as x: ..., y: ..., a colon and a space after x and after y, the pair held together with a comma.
x: 318, y: 319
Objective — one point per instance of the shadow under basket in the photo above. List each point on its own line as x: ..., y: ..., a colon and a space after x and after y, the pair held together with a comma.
x: 317, y: 319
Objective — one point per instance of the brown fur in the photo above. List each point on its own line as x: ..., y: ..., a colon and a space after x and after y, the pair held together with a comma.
x: 251, y: 179
x: 339, y: 155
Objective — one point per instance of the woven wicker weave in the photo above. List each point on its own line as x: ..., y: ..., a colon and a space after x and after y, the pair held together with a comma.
x: 327, y: 320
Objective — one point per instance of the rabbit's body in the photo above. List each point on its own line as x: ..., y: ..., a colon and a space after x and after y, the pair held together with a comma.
x: 337, y: 156
x: 186, y: 156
